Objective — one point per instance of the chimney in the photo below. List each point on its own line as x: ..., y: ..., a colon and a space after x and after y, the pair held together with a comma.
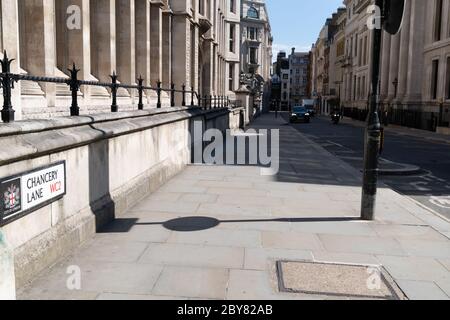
x: 293, y: 51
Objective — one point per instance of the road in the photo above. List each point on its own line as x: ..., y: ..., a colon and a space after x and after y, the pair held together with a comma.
x: 430, y: 187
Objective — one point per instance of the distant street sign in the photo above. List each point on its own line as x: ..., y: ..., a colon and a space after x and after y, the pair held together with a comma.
x: 393, y: 15
x: 25, y: 193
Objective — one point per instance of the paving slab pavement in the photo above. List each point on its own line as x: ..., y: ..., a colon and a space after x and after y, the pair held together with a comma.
x: 246, y: 222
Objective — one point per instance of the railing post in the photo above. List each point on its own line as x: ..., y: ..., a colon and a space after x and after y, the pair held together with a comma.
x: 210, y: 102
x: 141, y: 93
x: 172, y: 94
x: 206, y: 102
x: 74, y: 87
x: 7, y: 84
x: 158, y: 91
x: 215, y: 102
x: 192, y: 96
x: 114, y: 106
x: 183, y: 103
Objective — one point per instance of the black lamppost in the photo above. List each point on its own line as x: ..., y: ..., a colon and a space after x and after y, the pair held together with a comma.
x: 391, y: 12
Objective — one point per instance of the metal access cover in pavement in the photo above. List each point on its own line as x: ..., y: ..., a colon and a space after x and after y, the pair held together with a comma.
x: 337, y: 280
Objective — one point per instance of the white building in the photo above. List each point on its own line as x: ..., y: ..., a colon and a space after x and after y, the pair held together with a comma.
x: 256, y: 41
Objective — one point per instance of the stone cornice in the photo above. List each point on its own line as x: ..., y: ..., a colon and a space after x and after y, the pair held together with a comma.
x: 37, y: 138
x: 159, y: 3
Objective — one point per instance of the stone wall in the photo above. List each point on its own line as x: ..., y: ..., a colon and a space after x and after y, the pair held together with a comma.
x: 112, y: 161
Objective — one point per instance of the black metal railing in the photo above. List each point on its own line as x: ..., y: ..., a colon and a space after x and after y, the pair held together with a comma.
x: 212, y: 102
x: 8, y: 79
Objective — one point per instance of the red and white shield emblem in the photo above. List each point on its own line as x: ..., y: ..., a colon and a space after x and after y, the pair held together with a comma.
x: 11, y: 197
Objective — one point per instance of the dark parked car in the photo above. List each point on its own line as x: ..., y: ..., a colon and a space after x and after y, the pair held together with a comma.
x: 311, y: 110
x: 300, y: 114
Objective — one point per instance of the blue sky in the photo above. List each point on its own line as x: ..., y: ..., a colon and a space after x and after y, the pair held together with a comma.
x: 297, y: 23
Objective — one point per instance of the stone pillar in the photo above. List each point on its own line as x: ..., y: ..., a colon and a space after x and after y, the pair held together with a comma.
x: 393, y: 66
x: 126, y: 44
x: 404, y: 54
x: 37, y: 47
x: 194, y: 66
x: 207, y: 70
x: 156, y: 42
x: 103, y: 39
x: 181, y: 51
x: 70, y: 43
x: 167, y: 49
x: 385, y: 65
x: 7, y: 277
x: 244, y: 95
x: 143, y: 63
x: 10, y: 43
x: 416, y: 45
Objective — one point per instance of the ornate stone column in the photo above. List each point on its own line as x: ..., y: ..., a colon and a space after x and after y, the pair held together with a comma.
x: 71, y: 42
x: 143, y: 65
x: 404, y: 54
x: 103, y: 42
x: 156, y: 41
x: 181, y: 51
x: 126, y: 45
x: 415, y: 56
x: 385, y: 61
x: 10, y: 43
x: 393, y: 65
x: 167, y: 48
x: 37, y: 50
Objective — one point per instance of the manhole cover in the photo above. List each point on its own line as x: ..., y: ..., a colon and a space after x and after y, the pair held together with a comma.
x: 338, y: 280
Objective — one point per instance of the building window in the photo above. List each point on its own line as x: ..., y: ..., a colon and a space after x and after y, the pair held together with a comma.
x: 253, y: 56
x: 365, y: 50
x: 438, y: 20
x: 252, y: 13
x: 232, y: 37
x: 231, y: 77
x: 448, y: 78
x: 361, y: 49
x: 434, y: 79
x: 252, y: 33
x: 232, y: 6
x: 364, y: 86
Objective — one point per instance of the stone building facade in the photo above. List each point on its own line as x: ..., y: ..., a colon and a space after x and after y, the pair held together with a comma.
x: 415, y: 65
x: 191, y: 42
x: 256, y: 40
x: 298, y: 77
x: 358, y: 44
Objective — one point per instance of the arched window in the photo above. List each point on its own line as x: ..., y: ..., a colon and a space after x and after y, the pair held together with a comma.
x: 252, y: 13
